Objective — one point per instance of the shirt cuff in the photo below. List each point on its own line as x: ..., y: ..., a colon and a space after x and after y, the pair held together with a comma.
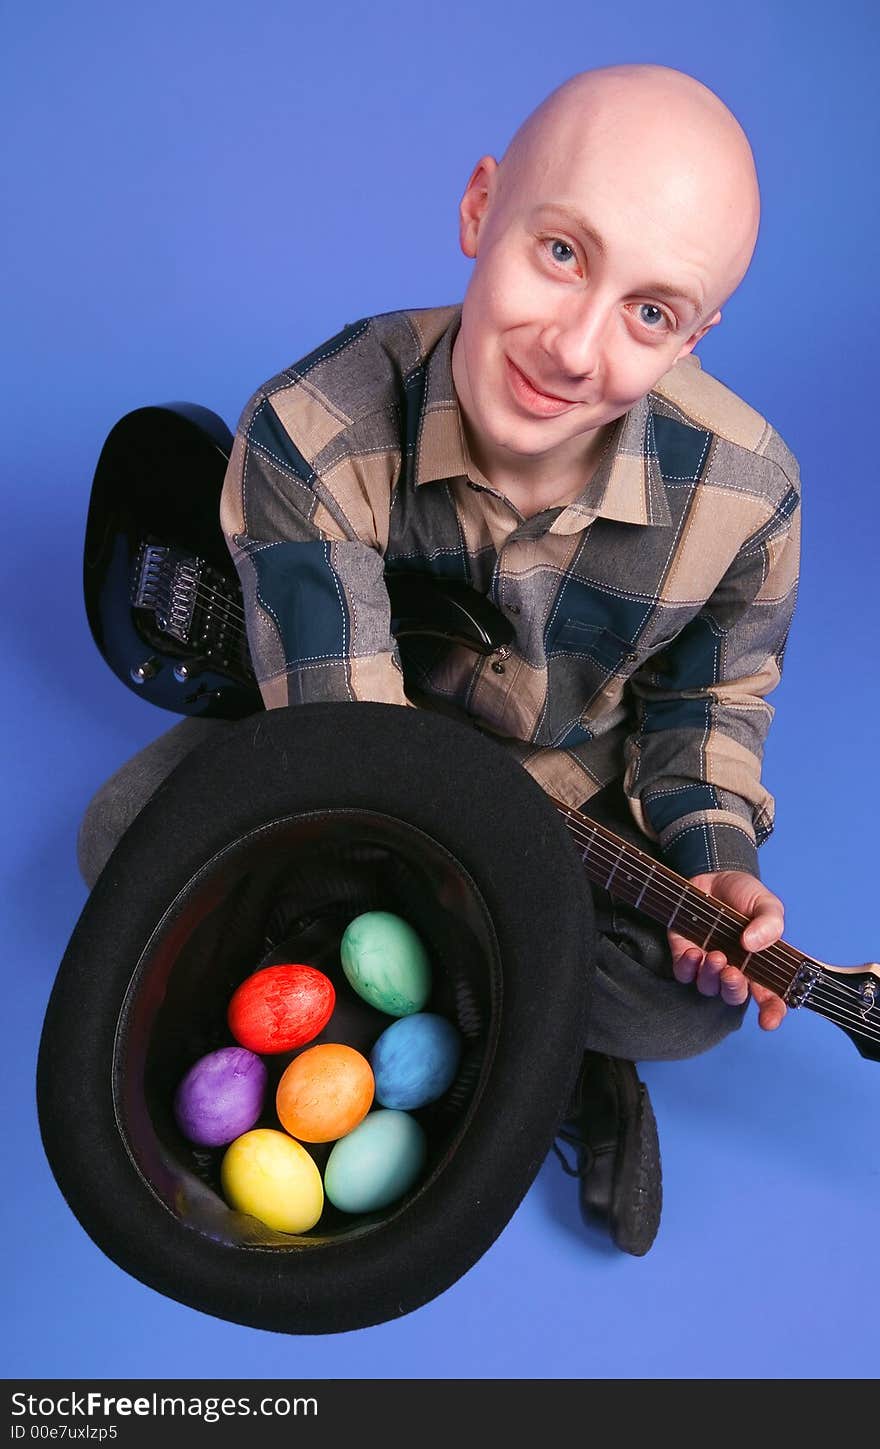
x: 697, y: 845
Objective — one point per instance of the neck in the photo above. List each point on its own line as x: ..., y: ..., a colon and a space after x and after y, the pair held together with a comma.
x: 547, y: 481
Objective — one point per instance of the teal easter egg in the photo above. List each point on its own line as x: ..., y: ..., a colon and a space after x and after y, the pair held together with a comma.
x: 376, y: 1163
x: 415, y: 1060
x: 385, y: 963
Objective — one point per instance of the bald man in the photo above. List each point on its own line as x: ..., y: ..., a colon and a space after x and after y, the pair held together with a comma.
x: 552, y: 442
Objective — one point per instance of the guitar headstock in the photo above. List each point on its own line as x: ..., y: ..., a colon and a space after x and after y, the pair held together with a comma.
x: 850, y: 997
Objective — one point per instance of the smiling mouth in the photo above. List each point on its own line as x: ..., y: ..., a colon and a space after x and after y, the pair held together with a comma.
x: 531, y: 398
x: 554, y: 396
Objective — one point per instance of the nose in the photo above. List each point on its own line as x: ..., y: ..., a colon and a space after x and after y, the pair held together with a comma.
x: 575, y: 339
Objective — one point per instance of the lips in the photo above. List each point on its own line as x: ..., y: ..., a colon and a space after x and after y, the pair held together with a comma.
x: 531, y: 398
x: 542, y: 390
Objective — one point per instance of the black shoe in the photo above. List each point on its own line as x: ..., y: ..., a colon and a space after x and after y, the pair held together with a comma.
x: 612, y: 1128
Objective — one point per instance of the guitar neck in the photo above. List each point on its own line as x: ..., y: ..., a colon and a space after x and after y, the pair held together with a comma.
x: 650, y: 886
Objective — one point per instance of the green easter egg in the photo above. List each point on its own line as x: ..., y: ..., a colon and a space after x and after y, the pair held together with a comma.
x: 385, y: 963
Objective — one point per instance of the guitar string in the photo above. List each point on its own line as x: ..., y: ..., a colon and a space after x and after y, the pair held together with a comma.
x: 654, y: 878
x: 823, y: 990
x: 707, y: 914
x: 232, y: 610
x: 826, y: 993
x: 843, y: 1019
x: 605, y: 853
x: 823, y: 996
x: 205, y: 594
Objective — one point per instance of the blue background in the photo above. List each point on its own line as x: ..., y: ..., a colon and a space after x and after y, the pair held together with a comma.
x: 197, y: 194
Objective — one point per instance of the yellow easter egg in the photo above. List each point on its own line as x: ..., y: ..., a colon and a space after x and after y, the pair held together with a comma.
x: 267, y: 1174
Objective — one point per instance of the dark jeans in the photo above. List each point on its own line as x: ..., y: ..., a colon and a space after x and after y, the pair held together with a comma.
x: 639, y: 1011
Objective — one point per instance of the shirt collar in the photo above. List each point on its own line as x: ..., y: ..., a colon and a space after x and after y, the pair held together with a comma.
x: 627, y: 485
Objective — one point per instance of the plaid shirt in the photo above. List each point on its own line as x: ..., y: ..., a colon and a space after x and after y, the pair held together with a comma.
x: 650, y: 614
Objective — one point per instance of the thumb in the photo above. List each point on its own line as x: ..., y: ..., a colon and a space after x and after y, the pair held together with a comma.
x: 766, y: 925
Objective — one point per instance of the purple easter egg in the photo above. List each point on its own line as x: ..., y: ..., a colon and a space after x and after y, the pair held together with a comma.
x: 221, y: 1096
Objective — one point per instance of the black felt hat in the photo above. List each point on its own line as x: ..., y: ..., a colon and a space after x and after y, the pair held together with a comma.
x: 262, y: 848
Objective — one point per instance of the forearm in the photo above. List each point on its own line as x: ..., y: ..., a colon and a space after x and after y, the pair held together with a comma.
x: 317, y: 612
x: 701, y: 718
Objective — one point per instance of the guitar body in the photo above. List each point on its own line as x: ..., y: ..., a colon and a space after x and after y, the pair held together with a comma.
x: 158, y: 483
x: 162, y: 595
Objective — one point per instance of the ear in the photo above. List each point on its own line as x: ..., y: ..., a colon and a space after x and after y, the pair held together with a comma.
x: 474, y: 203
x: 700, y: 332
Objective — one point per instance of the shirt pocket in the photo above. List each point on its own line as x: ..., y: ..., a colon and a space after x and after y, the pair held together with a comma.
x: 587, y: 666
x: 606, y: 649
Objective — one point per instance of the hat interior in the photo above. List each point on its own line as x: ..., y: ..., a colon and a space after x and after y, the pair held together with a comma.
x: 286, y: 892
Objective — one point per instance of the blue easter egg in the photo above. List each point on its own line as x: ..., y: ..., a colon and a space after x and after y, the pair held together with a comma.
x: 415, y: 1060
x: 376, y: 1163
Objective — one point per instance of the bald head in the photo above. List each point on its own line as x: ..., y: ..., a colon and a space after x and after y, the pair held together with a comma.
x: 621, y: 217
x: 664, y: 142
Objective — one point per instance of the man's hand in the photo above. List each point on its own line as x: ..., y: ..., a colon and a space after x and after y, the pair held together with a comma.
x: 712, y: 972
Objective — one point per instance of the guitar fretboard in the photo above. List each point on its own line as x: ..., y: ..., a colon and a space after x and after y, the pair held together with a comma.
x: 650, y: 886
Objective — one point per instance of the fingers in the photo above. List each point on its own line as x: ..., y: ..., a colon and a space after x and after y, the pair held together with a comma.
x: 685, y: 957
x: 712, y: 973
x: 714, y: 976
x: 771, y: 1008
x: 733, y: 986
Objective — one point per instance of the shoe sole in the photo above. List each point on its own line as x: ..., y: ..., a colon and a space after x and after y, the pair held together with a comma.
x: 638, y: 1187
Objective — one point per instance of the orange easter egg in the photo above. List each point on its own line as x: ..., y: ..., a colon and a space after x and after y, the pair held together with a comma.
x: 325, y: 1092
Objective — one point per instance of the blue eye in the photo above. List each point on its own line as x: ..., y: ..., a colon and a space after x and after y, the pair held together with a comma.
x: 557, y: 242
x: 649, y: 307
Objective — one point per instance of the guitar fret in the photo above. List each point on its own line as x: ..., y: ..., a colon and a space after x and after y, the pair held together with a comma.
x: 678, y: 905
x: 638, y: 900
x: 628, y: 887
x: 615, y: 865
x: 712, y: 929
x: 650, y: 886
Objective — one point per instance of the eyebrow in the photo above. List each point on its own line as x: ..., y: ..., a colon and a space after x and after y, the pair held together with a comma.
x: 580, y: 223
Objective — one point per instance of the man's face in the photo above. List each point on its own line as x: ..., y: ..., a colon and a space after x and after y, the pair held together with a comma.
x: 594, y: 317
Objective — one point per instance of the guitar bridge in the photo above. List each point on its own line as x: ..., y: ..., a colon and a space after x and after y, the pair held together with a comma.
x: 802, y: 984
x: 192, y: 603
x: 166, y: 582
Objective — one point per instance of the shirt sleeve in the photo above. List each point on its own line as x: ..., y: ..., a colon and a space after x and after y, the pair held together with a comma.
x: 693, y: 760
x: 317, y: 611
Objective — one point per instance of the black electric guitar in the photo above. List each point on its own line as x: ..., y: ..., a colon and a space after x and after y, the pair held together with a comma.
x: 165, y: 609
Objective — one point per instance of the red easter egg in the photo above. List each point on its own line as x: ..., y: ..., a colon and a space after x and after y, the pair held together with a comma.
x: 280, y: 1008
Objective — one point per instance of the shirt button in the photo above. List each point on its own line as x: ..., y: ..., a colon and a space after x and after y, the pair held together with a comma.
x: 514, y: 608
x: 498, y: 668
